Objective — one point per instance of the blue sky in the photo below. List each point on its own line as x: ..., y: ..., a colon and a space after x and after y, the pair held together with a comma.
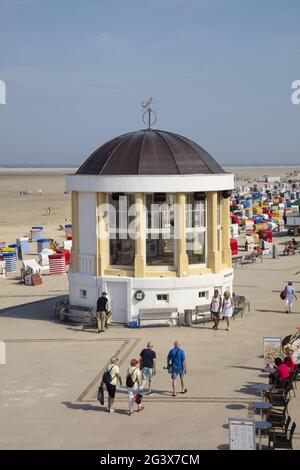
x: 220, y: 72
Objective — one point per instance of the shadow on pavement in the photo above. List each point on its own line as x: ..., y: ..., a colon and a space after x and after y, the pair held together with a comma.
x: 223, y: 447
x: 38, y: 310
x: 235, y: 406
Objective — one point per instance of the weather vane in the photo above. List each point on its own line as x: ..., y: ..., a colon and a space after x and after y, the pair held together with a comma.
x: 149, y: 116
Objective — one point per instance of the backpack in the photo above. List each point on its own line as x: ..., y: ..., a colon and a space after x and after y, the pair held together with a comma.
x: 129, y: 381
x: 283, y: 294
x: 107, y: 378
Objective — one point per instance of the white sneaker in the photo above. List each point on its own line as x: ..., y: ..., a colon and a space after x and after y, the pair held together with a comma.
x: 111, y: 410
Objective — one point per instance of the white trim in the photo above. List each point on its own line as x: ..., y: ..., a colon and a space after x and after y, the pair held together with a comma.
x: 150, y: 184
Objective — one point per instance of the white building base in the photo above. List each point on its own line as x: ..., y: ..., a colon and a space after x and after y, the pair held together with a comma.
x: 182, y: 293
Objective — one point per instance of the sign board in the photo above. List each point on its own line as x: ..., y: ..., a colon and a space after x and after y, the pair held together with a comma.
x: 272, y: 349
x: 241, y: 434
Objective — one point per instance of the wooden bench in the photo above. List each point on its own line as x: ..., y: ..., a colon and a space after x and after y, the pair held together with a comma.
x: 251, y: 258
x: 78, y: 314
x: 237, y: 260
x: 240, y: 304
x: 201, y: 311
x: 165, y: 313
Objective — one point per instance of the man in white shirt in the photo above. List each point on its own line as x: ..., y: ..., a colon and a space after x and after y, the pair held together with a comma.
x: 289, y: 296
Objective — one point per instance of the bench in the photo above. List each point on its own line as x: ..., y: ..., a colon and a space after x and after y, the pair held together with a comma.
x: 165, y: 313
x: 251, y: 258
x: 201, y: 311
x: 240, y: 303
x: 237, y: 260
x: 76, y: 314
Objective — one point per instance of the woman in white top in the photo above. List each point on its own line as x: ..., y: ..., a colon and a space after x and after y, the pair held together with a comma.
x: 227, y: 308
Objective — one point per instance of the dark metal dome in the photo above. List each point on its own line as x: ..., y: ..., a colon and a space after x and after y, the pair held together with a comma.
x: 150, y: 152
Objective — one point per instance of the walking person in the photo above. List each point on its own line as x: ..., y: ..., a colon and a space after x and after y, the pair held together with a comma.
x: 176, y: 365
x: 103, y: 313
x: 215, y: 308
x: 227, y: 308
x: 289, y: 296
x: 134, y: 386
x: 110, y: 378
x: 148, y: 365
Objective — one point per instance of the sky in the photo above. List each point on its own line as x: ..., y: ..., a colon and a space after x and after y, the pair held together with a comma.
x: 220, y: 72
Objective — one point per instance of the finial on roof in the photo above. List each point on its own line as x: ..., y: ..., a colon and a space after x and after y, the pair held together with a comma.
x: 149, y: 116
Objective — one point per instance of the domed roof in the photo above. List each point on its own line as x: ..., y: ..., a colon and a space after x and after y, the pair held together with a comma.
x: 150, y: 152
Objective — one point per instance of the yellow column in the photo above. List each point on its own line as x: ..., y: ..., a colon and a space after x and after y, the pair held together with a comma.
x: 226, y: 250
x: 140, y: 241
x: 102, y: 235
x: 75, y: 233
x: 214, y: 257
x: 180, y: 234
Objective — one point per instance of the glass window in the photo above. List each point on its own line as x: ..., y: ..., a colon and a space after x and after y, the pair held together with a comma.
x: 203, y: 294
x: 121, y: 230
x: 162, y: 297
x: 195, y: 230
x: 160, y: 230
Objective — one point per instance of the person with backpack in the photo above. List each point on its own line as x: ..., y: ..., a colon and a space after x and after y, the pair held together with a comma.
x: 288, y: 296
x: 176, y: 365
x: 134, y: 386
x: 110, y: 378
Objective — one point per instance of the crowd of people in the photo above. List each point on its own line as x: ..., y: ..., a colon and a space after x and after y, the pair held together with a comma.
x: 141, y: 373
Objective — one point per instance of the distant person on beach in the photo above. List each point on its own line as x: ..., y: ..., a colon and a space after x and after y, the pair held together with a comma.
x: 176, y: 365
x: 227, y: 308
x: 148, y: 365
x: 289, y: 292
x: 48, y: 212
x: 215, y: 308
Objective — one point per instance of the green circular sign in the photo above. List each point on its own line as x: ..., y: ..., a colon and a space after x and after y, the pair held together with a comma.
x: 139, y: 294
